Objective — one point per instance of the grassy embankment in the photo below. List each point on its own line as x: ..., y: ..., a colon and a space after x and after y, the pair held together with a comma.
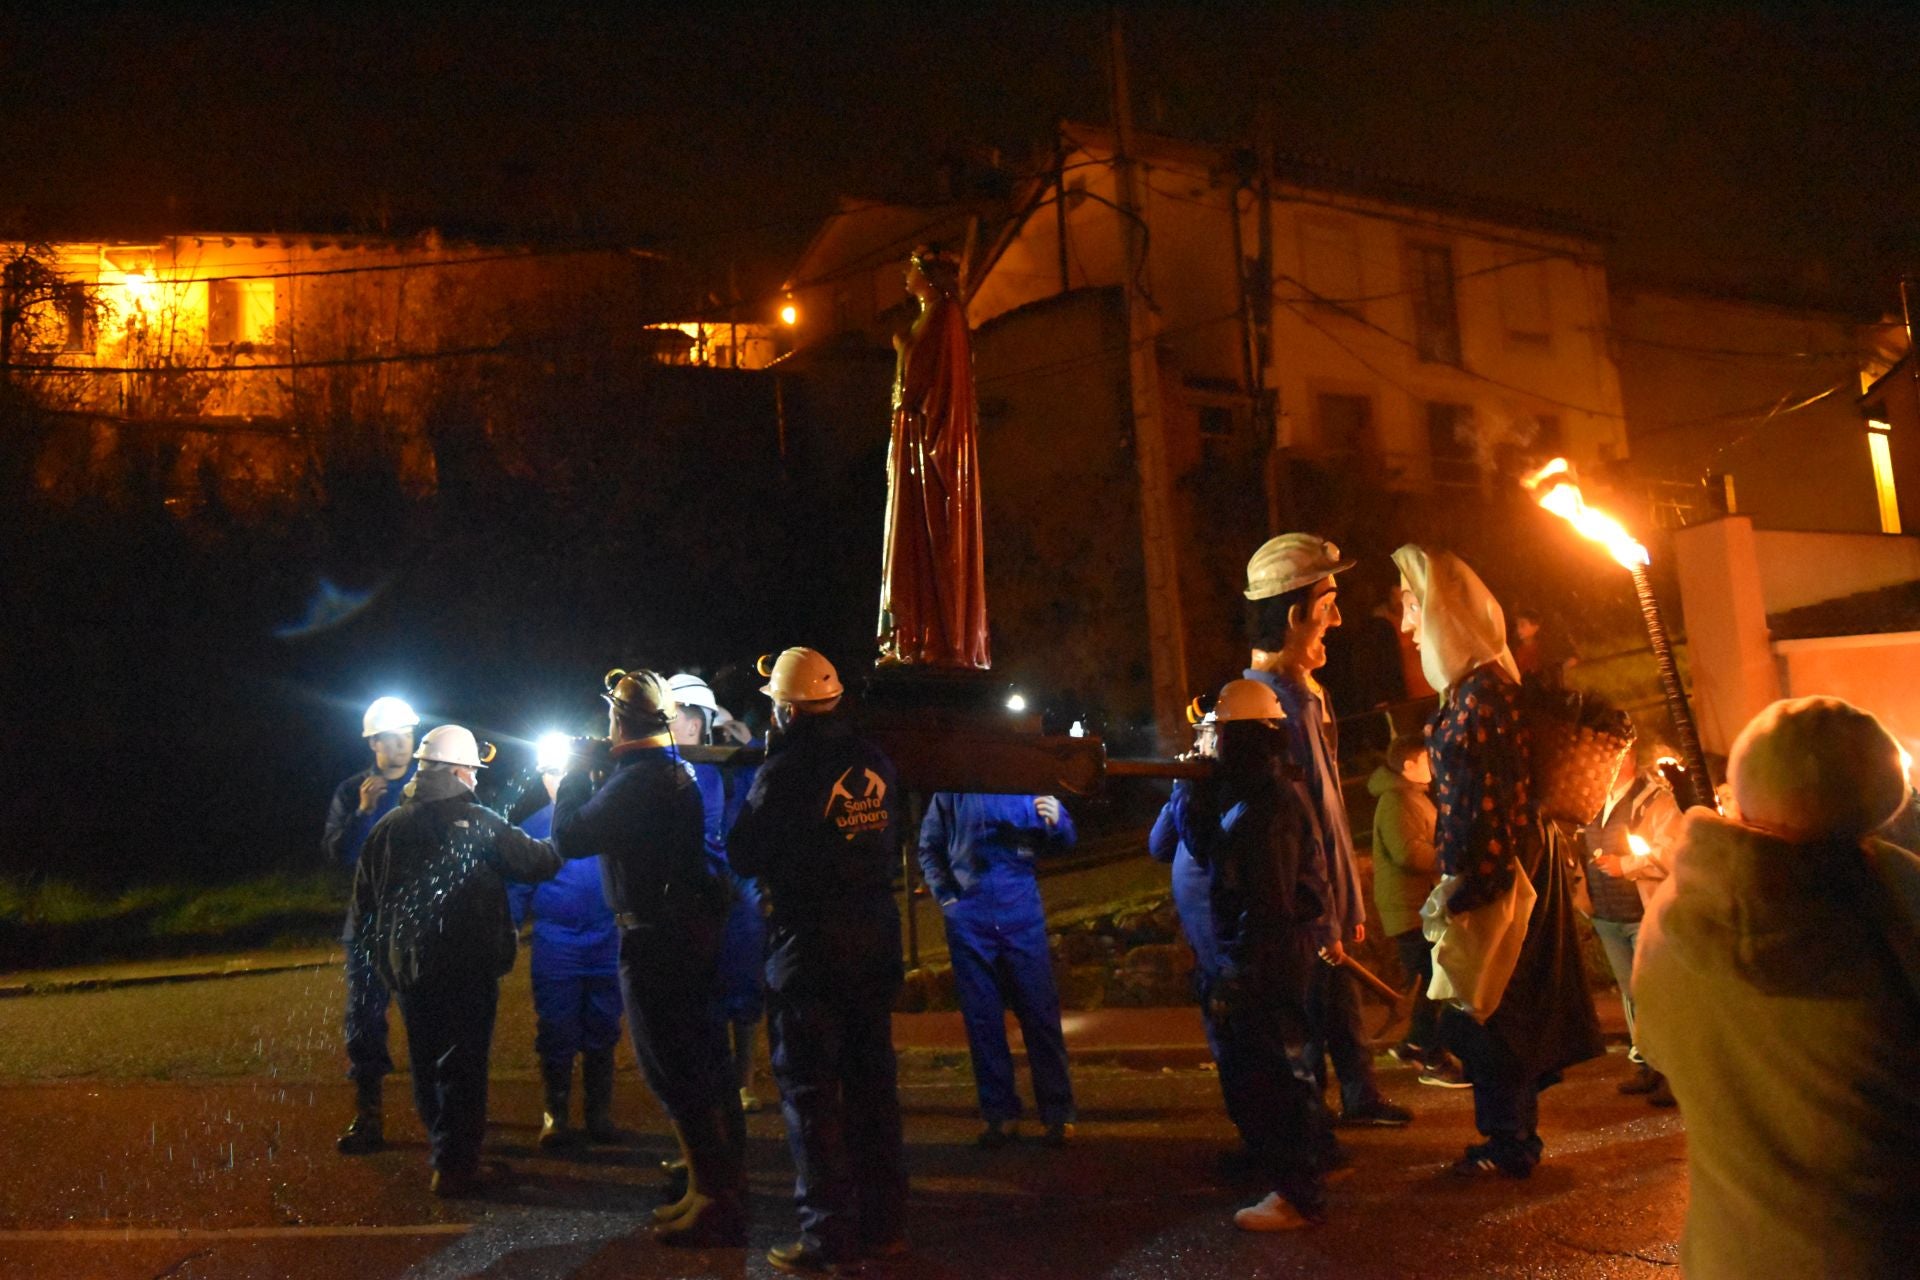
x: 48, y: 923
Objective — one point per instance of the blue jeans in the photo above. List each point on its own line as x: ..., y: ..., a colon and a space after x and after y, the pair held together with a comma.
x: 366, y: 1016
x: 996, y: 969
x: 1618, y: 938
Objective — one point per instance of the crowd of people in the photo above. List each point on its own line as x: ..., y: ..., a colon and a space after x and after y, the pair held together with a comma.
x: 1767, y: 960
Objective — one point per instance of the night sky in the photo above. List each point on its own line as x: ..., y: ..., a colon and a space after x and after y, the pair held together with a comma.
x: 1767, y: 148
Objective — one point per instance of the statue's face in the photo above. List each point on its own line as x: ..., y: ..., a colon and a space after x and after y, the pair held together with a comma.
x: 917, y: 283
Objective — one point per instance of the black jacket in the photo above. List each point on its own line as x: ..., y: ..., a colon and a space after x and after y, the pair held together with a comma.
x: 1266, y: 888
x: 821, y: 828
x: 648, y: 826
x: 429, y: 890
x: 822, y: 825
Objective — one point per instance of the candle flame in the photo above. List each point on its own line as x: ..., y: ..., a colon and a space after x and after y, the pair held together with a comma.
x: 1553, y: 487
x: 1637, y: 845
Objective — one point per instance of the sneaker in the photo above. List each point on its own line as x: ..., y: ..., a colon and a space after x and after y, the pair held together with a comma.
x: 1662, y: 1093
x: 1643, y: 1080
x: 1408, y: 1052
x: 1443, y: 1071
x: 1274, y: 1213
x: 1378, y: 1114
x: 998, y: 1134
x: 1481, y: 1162
x: 1058, y: 1135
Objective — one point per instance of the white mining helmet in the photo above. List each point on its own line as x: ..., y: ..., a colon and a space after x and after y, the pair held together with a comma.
x: 387, y: 715
x: 451, y: 744
x: 691, y: 691
x: 1248, y: 700
x: 799, y: 675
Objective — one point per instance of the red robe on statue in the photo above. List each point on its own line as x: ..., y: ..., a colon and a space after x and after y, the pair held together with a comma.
x: 933, y: 590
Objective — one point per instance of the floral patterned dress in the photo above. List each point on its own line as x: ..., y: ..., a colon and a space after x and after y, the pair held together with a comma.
x: 1489, y: 831
x: 1482, y: 755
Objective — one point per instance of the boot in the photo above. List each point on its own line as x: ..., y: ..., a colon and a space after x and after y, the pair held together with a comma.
x: 362, y: 1135
x: 596, y: 1083
x: 743, y: 1037
x: 554, y: 1132
x: 715, y: 1212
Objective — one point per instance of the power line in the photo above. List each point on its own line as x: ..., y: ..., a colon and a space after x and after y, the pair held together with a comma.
x: 1414, y: 346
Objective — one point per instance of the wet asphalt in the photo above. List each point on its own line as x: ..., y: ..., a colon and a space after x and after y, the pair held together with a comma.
x: 186, y: 1132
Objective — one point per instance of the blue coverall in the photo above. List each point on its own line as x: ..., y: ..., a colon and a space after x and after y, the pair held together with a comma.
x: 367, y: 995
x: 576, y: 957
x: 1191, y: 887
x: 977, y: 852
x: 743, y: 946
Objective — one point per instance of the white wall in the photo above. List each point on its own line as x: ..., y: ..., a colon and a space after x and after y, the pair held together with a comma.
x: 1805, y: 568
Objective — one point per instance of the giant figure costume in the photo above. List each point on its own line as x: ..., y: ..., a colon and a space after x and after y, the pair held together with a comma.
x: 933, y: 594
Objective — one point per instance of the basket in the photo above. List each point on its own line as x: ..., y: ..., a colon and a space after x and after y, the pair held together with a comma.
x: 1578, y: 743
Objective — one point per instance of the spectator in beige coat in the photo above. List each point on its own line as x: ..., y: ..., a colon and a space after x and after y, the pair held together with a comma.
x: 1405, y: 870
x: 1778, y: 983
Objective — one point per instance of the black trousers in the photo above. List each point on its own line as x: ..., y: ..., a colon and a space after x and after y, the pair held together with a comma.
x: 1335, y: 1031
x: 830, y: 1020
x: 449, y: 1037
x: 1271, y: 1096
x: 1416, y: 957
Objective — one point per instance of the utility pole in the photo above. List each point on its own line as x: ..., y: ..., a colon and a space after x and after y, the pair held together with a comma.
x: 1266, y: 407
x: 1166, y: 621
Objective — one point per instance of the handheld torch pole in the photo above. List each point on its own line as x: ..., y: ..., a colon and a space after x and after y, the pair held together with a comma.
x: 1677, y: 706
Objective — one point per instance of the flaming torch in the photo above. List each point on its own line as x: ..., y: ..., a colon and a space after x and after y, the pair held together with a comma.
x: 1554, y: 488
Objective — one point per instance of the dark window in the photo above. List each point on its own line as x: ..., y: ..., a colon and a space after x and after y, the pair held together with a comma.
x: 1346, y: 424
x: 1216, y: 420
x: 78, y: 315
x: 1436, y: 321
x: 1450, y: 441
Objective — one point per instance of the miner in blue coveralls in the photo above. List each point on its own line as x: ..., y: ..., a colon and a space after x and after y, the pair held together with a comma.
x: 1249, y: 827
x: 821, y: 829
x: 576, y: 980
x: 358, y: 804
x: 743, y: 948
x: 645, y: 822
x: 978, y: 853
x: 1191, y: 884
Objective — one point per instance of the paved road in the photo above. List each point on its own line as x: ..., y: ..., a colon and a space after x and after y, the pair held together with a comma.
x: 185, y: 1132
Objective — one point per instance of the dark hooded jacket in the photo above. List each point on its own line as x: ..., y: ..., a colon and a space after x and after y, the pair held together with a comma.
x: 1778, y: 987
x: 429, y: 892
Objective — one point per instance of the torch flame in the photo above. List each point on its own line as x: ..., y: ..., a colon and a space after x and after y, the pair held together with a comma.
x: 1553, y: 487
